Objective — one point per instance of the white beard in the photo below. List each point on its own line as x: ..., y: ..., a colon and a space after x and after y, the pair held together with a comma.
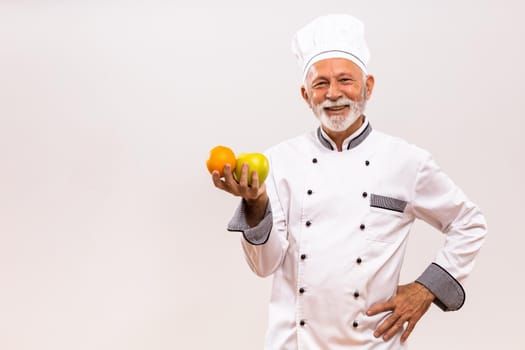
x: 338, y: 123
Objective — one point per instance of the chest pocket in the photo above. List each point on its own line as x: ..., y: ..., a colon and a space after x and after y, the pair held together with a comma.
x: 385, y: 218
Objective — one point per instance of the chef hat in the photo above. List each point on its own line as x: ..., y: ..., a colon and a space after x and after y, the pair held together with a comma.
x: 331, y: 36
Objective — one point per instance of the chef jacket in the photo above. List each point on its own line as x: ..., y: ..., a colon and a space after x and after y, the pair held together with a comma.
x: 335, y: 233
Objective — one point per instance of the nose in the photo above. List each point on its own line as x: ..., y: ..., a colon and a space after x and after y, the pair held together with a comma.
x: 333, y: 93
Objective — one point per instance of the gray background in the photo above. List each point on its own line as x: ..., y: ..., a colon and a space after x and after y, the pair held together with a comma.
x: 111, y: 233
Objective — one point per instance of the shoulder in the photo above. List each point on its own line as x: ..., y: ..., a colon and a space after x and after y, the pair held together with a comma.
x: 295, y: 145
x: 399, y: 147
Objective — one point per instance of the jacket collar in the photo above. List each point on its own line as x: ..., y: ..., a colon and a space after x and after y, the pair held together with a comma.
x: 350, y: 142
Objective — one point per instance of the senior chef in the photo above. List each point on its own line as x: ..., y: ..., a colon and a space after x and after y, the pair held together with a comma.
x: 331, y: 222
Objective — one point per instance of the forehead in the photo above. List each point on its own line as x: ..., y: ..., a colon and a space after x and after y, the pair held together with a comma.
x: 333, y: 67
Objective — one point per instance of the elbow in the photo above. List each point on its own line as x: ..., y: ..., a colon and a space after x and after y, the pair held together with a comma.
x: 262, y: 269
x: 266, y: 258
x: 472, y: 221
x: 262, y: 273
x: 478, y: 224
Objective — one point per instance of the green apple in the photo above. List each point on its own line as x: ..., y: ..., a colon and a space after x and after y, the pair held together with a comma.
x: 256, y: 162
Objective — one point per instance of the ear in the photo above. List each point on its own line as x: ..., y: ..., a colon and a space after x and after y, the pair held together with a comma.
x: 306, y: 98
x: 369, y: 86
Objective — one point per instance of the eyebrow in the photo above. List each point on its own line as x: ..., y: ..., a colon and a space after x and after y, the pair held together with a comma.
x: 322, y: 77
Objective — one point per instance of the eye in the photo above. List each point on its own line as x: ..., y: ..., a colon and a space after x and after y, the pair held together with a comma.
x: 346, y: 81
x: 319, y: 84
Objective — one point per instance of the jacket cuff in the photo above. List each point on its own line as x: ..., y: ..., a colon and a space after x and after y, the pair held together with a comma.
x: 450, y: 295
x: 254, y: 235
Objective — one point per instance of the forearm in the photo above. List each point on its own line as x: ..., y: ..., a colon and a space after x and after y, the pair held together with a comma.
x: 255, y: 209
x: 265, y: 259
x: 448, y: 292
x: 441, y: 203
x: 265, y: 244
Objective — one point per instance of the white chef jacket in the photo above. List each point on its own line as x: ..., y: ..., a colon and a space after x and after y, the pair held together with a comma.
x: 338, y: 225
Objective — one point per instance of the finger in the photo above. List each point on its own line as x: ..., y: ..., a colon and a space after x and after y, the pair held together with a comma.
x: 228, y: 173
x: 229, y: 184
x: 380, y: 307
x: 254, y: 187
x: 229, y: 180
x: 394, y: 329
x: 243, y: 181
x: 215, y: 176
x: 386, y: 325
x: 406, y: 333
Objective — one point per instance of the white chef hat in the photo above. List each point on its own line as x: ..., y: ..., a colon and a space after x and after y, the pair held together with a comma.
x: 331, y: 36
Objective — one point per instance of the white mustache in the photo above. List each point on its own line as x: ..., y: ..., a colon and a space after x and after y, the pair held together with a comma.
x: 341, y: 102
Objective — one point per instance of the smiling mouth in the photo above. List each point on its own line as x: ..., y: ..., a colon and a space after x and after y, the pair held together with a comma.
x: 336, y: 108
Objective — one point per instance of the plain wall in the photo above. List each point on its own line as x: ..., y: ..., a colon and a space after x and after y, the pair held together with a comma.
x: 112, y: 235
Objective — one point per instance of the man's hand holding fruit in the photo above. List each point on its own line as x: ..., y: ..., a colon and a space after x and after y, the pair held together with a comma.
x: 244, y: 178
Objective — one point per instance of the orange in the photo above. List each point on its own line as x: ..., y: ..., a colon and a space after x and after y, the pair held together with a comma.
x: 219, y: 157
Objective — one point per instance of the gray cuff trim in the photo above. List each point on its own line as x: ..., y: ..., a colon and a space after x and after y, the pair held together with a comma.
x: 450, y: 295
x: 254, y: 235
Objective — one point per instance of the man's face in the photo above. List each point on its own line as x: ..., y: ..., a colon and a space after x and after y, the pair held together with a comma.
x: 337, y: 90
